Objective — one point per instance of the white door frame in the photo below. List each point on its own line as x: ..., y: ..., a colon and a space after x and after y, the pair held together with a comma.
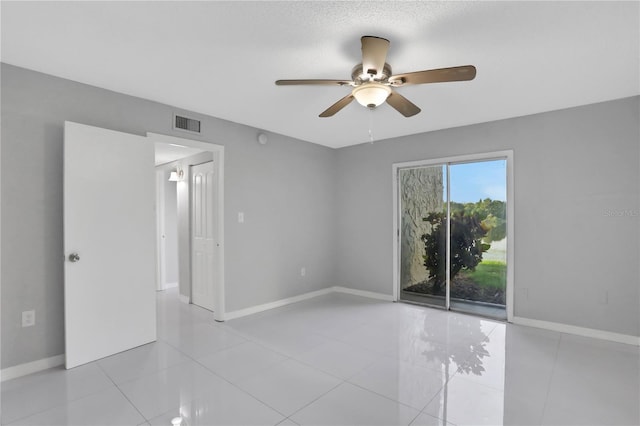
x: 218, y: 156
x: 160, y: 231
x: 508, y: 155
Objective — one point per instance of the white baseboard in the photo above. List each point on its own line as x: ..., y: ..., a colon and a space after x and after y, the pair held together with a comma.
x: 185, y: 299
x: 579, y: 331
x: 31, y: 367
x: 43, y: 364
x: 283, y: 302
x: 170, y: 285
x: 364, y: 293
x: 278, y: 303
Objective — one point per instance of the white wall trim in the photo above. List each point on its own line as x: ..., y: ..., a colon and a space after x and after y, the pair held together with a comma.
x: 170, y: 285
x: 363, y: 293
x: 579, y: 331
x: 278, y: 303
x: 161, y: 267
x: 295, y: 299
x: 184, y: 299
x: 31, y: 367
x: 395, y: 235
x: 511, y: 231
x: 299, y: 298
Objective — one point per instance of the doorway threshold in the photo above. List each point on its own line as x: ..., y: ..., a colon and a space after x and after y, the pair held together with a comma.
x: 487, y: 310
x: 480, y: 309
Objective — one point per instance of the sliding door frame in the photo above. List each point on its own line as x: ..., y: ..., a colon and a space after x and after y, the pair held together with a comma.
x: 495, y: 155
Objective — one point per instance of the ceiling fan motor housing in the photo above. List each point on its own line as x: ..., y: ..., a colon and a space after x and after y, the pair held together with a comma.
x: 359, y: 77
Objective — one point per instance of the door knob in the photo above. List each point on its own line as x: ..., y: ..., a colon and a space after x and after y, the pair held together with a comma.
x: 74, y: 257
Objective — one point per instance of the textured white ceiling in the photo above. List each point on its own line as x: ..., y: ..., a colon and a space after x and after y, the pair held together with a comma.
x: 222, y: 58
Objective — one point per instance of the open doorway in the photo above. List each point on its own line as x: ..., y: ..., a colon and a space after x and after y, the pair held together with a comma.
x: 167, y: 227
x: 189, y: 221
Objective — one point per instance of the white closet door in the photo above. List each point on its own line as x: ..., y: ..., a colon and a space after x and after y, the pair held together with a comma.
x: 204, y: 234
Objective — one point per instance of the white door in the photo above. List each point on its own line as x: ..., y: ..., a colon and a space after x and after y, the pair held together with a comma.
x: 109, y: 242
x: 203, y: 234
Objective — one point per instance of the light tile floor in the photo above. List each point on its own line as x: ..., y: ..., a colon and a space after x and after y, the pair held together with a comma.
x: 339, y: 360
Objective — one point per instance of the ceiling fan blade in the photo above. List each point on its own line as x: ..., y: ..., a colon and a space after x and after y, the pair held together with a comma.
x: 337, y: 106
x: 313, y: 82
x: 374, y: 54
x: 440, y: 75
x: 403, y: 105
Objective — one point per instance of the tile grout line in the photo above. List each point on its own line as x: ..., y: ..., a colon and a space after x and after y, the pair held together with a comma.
x: 189, y: 357
x: 195, y: 361
x: 314, y: 400
x: 238, y: 387
x: 159, y: 369
x: 68, y: 401
x: 288, y: 358
x: 122, y: 393
x: 419, y: 410
x: 553, y: 371
x: 347, y: 380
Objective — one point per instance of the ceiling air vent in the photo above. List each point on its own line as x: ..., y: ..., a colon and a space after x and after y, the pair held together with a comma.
x: 185, y: 123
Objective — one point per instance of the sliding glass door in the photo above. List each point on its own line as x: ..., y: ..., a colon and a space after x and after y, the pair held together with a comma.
x: 453, y: 235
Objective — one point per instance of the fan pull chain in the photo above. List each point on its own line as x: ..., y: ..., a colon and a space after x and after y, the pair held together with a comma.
x: 371, y: 125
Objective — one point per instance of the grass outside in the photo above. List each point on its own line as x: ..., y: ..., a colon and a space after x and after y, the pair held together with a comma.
x: 489, y: 273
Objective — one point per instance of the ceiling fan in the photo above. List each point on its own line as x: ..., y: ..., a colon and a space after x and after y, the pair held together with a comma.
x: 372, y: 80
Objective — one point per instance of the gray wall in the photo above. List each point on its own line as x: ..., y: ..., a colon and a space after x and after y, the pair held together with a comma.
x: 576, y: 210
x: 576, y: 206
x: 285, y: 188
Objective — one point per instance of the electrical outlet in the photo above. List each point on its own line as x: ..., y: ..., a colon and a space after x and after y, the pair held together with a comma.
x: 28, y: 318
x: 240, y: 217
x: 303, y: 271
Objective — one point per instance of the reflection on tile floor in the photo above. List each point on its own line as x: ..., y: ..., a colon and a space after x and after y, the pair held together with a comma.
x: 339, y: 360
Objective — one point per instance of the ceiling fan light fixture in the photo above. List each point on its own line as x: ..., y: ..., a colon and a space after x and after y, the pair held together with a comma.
x: 373, y: 81
x: 371, y: 95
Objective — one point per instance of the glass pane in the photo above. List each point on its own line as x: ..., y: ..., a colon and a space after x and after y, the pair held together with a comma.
x: 479, y: 237
x: 423, y: 234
